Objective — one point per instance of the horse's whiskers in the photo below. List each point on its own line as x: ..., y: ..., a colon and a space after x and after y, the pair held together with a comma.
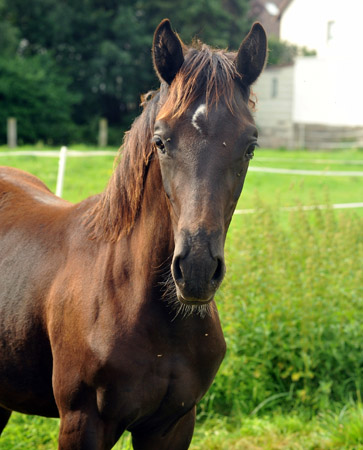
x: 181, y: 309
x: 164, y: 267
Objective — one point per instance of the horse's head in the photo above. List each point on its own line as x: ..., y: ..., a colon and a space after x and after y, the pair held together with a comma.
x: 204, y: 136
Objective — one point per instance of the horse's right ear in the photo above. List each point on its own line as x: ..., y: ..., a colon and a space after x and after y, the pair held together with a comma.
x: 167, y: 52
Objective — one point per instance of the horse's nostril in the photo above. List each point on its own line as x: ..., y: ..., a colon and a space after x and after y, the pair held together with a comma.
x: 219, y: 272
x: 177, y: 271
x: 197, y: 278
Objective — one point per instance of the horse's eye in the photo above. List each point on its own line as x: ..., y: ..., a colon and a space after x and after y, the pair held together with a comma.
x: 250, y: 151
x: 159, y: 144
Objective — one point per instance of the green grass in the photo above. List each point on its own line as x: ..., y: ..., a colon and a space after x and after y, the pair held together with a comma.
x: 329, y: 430
x: 291, y: 309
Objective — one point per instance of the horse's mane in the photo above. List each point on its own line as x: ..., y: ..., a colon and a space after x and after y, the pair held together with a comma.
x: 204, y: 71
x: 117, y: 208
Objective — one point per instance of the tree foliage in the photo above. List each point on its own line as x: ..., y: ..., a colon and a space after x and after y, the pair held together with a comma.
x: 33, y: 91
x: 99, y: 53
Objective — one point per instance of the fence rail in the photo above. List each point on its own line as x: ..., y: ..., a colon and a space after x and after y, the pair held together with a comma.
x: 319, y: 173
x: 343, y: 162
x: 305, y: 208
x: 55, y: 153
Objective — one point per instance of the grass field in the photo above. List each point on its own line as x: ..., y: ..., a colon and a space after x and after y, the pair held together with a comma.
x: 291, y: 308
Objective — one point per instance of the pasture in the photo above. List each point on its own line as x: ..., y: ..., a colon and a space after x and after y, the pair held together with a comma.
x: 291, y: 308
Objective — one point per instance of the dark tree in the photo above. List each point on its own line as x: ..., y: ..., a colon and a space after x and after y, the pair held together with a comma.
x: 102, y: 48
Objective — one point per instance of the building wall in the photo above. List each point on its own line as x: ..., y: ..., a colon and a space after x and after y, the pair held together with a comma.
x: 296, y: 108
x: 274, y: 92
x: 328, y: 87
x: 328, y: 91
x: 314, y: 136
x: 319, y: 103
x: 330, y: 27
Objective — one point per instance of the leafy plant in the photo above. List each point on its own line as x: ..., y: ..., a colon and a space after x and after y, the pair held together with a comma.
x: 291, y: 308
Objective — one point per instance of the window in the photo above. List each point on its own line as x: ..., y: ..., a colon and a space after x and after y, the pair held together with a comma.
x: 330, y: 31
x: 274, y: 87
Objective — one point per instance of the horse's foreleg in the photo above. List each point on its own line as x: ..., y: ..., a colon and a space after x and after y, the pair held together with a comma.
x: 82, y: 426
x: 85, y: 430
x: 78, y: 432
x: 4, y: 417
x: 178, y: 437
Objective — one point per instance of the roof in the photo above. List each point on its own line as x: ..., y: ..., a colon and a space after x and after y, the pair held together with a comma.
x: 284, y: 5
x: 263, y: 11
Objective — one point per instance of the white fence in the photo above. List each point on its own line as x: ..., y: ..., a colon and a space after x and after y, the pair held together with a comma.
x: 319, y: 173
x: 62, y: 155
x: 306, y: 208
x: 65, y: 152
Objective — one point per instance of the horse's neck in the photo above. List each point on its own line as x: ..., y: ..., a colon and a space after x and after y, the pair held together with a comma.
x: 145, y: 252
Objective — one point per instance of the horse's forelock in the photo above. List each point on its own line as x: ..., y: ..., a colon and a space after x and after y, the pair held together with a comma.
x: 205, y: 71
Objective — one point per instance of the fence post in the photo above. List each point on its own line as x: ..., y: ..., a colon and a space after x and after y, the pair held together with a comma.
x: 61, y: 170
x: 12, y: 132
x: 102, y: 133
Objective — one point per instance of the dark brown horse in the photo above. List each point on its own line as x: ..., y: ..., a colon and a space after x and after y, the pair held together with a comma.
x: 107, y: 317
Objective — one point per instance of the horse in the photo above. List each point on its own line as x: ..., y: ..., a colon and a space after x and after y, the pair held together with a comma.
x: 107, y: 311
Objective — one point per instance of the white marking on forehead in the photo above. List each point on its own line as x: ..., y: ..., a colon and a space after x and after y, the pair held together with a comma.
x: 200, y: 110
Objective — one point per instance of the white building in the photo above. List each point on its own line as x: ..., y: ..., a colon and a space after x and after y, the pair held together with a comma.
x: 318, y: 101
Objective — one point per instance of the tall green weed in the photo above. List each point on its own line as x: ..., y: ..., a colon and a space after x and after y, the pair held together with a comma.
x: 291, y: 309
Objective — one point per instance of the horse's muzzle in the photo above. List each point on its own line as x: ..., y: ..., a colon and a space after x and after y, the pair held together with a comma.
x: 198, y: 268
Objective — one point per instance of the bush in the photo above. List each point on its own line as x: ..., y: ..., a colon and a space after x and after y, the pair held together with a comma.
x: 281, y: 52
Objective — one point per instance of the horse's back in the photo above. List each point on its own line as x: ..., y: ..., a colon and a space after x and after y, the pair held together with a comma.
x: 18, y: 186
x: 32, y: 230
x: 33, y: 223
x: 29, y: 212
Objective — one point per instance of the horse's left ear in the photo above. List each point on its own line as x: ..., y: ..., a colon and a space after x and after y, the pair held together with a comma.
x: 167, y: 52
x: 251, y: 57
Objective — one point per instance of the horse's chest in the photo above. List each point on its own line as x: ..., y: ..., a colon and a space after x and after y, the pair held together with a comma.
x: 156, y: 384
